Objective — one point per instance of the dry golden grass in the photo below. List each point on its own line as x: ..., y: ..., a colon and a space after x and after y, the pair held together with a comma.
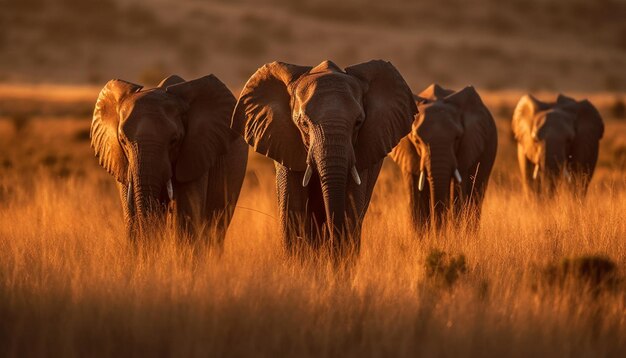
x: 71, y: 285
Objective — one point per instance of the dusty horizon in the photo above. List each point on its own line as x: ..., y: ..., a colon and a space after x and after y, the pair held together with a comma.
x: 571, y: 46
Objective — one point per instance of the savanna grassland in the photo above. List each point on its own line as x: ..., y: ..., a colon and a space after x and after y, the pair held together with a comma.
x: 539, y: 278
x: 71, y: 285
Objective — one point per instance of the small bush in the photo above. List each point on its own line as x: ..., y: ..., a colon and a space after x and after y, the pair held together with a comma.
x: 20, y: 122
x: 49, y: 160
x: 82, y: 135
x: 618, y: 109
x: 504, y: 111
x: 6, y: 193
x: 444, y: 267
x: 64, y: 172
x: 618, y: 153
x: 593, y: 271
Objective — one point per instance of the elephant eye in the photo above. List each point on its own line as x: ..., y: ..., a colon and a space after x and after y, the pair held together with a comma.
x: 302, y: 122
x: 359, y: 121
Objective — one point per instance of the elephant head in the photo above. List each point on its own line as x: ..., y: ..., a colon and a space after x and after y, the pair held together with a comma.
x: 325, y: 121
x: 152, y: 140
x: 557, y: 140
x: 452, y: 134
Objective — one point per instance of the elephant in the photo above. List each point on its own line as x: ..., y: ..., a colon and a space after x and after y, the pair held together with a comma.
x: 328, y: 130
x: 556, y: 140
x: 172, y: 154
x: 446, y: 159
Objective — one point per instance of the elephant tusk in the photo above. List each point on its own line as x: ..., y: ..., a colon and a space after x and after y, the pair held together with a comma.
x: 129, y: 192
x: 355, y: 175
x: 170, y: 190
x: 420, y: 183
x: 536, y: 171
x: 307, y: 175
x: 457, y: 176
x: 567, y: 176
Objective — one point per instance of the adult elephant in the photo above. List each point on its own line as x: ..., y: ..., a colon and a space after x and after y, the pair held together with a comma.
x: 556, y: 140
x: 171, y: 146
x: 323, y: 125
x: 447, y: 158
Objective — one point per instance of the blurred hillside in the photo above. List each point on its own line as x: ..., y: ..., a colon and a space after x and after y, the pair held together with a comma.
x: 574, y: 45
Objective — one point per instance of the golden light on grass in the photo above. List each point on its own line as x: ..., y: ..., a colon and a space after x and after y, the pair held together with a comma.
x: 71, y: 285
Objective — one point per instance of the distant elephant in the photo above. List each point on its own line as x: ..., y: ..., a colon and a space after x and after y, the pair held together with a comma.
x: 328, y: 130
x: 557, y: 139
x: 171, y: 146
x: 447, y: 158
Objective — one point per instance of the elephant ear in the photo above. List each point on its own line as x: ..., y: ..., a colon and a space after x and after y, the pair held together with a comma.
x: 170, y: 80
x: 207, y: 128
x: 104, y: 127
x: 478, y: 124
x: 420, y: 100
x: 589, y: 131
x: 435, y: 92
x: 263, y: 115
x: 406, y: 157
x: 389, y: 110
x: 563, y: 100
x: 523, y: 115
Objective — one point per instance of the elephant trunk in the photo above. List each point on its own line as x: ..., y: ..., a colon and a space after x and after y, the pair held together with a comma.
x: 149, y: 184
x: 331, y: 153
x: 441, y: 171
x: 129, y: 212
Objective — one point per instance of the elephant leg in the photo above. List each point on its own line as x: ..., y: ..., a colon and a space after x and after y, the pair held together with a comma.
x: 476, y: 188
x: 523, y: 167
x: 582, y: 173
x: 458, y: 202
x: 527, y: 168
x: 534, y: 185
x: 223, y: 188
x: 315, y: 213
x: 190, y: 205
x: 474, y: 194
x: 292, y: 207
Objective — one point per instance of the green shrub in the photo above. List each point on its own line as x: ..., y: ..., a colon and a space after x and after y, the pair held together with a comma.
x: 444, y: 267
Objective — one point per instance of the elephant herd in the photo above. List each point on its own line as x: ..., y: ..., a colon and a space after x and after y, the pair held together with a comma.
x: 178, y: 152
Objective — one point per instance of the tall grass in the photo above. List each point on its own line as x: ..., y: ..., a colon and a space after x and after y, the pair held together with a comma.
x: 71, y: 285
